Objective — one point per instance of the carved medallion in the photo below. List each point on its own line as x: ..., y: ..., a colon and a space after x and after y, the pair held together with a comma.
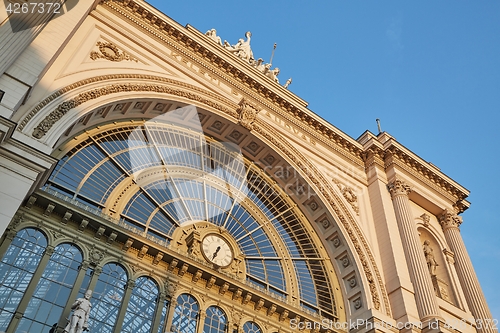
x: 110, y: 51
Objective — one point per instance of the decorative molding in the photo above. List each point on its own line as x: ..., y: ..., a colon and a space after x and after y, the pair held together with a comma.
x: 111, y: 52
x: 348, y: 194
x: 46, y: 124
x: 217, y: 102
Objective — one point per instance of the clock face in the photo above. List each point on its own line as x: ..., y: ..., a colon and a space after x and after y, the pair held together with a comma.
x: 217, y: 250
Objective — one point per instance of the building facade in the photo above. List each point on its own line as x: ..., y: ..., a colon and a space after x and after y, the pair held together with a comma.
x: 174, y: 177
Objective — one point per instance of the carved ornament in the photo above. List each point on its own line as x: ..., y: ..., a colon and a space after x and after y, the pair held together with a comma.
x: 247, y: 114
x: 398, y: 187
x: 110, y: 51
x: 450, y: 219
x: 348, y: 194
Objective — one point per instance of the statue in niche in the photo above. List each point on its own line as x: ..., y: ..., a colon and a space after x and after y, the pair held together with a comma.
x: 80, y: 318
x: 212, y: 34
x: 429, y: 257
x: 242, y: 48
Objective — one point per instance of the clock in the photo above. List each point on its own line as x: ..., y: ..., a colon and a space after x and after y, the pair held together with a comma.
x: 217, y: 250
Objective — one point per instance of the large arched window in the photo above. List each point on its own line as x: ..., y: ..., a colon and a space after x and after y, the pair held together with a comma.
x: 106, y: 298
x: 141, y: 307
x: 16, y: 270
x: 175, y: 177
x: 215, y: 321
x: 251, y: 327
x: 53, y: 289
x: 185, y: 315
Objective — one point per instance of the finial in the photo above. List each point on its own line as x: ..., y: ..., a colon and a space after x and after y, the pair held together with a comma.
x: 378, y: 125
x: 272, y: 54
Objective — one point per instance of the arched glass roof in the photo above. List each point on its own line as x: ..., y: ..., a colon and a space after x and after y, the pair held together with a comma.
x: 175, y: 177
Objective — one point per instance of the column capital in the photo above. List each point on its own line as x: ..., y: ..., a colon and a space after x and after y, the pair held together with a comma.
x: 449, y: 219
x: 398, y: 187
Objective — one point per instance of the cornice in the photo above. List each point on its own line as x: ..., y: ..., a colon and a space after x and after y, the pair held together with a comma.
x: 391, y: 153
x: 423, y: 171
x: 192, y: 44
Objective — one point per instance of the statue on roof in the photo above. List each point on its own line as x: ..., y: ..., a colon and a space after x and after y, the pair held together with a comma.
x: 287, y: 83
x: 212, y: 34
x: 242, y: 48
x: 272, y: 73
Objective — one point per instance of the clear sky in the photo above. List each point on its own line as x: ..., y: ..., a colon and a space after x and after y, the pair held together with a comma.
x: 430, y: 70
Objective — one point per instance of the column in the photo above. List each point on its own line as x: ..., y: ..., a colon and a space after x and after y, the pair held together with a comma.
x: 123, y: 308
x: 474, y: 296
x: 162, y: 298
x: 170, y: 315
x: 201, y: 320
x: 419, y: 274
x: 31, y: 289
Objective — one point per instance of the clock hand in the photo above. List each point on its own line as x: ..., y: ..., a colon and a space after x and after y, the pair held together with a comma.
x: 215, y: 253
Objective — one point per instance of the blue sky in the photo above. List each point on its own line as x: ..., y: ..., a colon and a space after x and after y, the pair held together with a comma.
x: 429, y: 70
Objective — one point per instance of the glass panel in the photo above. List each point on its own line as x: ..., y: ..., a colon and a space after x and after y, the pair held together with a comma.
x: 106, y: 298
x: 185, y: 315
x: 215, y: 321
x: 16, y: 270
x: 251, y: 327
x: 52, y: 291
x: 141, y: 307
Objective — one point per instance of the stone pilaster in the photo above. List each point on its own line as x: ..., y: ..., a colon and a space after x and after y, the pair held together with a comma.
x: 474, y: 296
x: 417, y: 266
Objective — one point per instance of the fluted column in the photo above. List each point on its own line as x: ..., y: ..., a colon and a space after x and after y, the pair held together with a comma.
x: 474, y: 296
x: 425, y: 297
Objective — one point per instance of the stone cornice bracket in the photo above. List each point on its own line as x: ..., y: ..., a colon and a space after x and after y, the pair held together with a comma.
x: 461, y: 205
x: 398, y: 187
x: 373, y: 155
x: 247, y: 114
x: 449, y: 219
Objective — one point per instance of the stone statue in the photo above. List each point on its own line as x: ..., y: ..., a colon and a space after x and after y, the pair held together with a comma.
x: 273, y: 74
x: 429, y: 257
x: 80, y: 318
x: 212, y: 34
x: 242, y: 48
x: 287, y: 83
